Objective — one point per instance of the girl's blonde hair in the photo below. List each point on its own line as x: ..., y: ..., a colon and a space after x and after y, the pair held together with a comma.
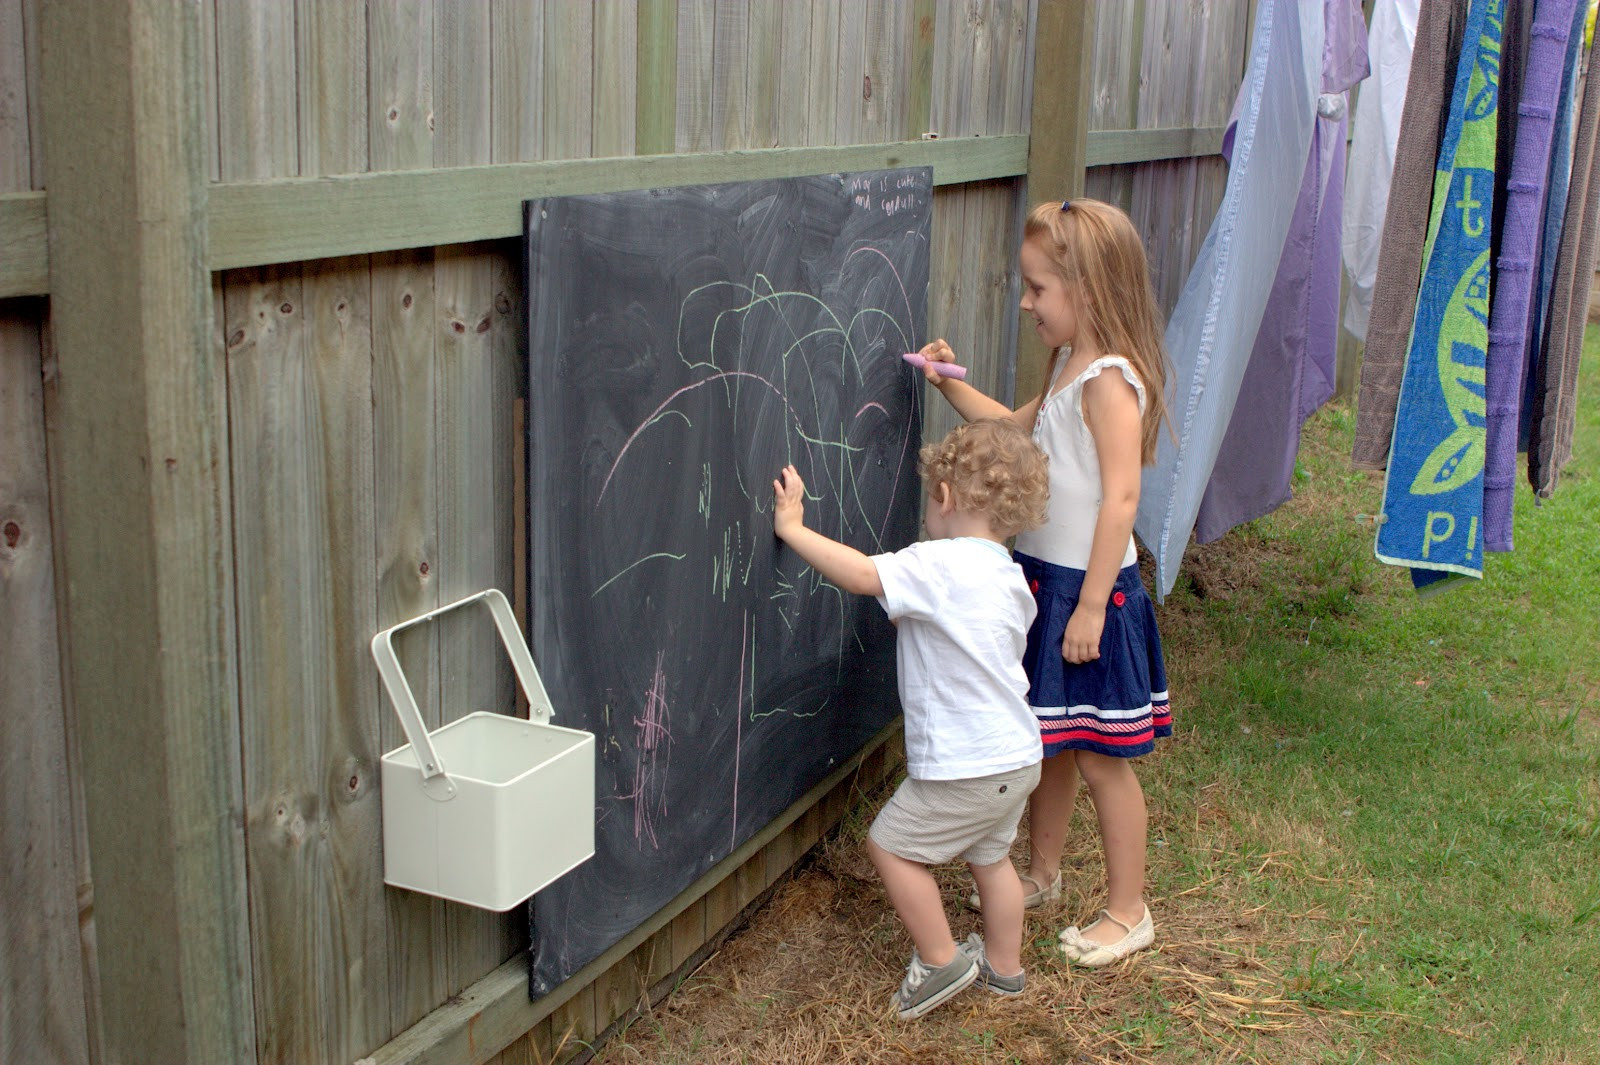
x: 993, y: 468
x: 1095, y: 244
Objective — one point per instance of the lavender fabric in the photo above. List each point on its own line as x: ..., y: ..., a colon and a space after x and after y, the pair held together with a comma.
x: 1555, y: 400
x: 1520, y: 236
x: 1225, y: 295
x: 1555, y: 213
x: 1291, y: 369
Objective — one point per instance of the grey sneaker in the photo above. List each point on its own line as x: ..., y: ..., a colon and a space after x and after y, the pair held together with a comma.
x: 925, y: 988
x: 988, y: 979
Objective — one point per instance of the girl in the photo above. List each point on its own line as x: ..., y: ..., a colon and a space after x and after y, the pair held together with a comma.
x: 1096, y: 678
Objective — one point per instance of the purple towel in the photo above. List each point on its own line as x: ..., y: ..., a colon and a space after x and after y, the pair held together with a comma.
x: 1554, y: 405
x: 1520, y: 237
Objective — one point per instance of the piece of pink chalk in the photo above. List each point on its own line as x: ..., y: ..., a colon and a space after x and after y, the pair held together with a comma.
x: 943, y: 369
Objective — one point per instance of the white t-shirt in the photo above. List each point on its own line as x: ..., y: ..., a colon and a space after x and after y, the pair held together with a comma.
x: 962, y: 611
x: 1075, y: 494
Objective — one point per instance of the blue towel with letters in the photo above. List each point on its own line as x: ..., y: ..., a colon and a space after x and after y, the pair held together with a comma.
x: 1433, y: 493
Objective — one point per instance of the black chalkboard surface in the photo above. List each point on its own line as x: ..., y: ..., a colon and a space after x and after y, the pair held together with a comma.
x: 684, y: 345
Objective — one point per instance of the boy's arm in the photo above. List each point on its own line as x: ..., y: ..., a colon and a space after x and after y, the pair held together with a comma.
x: 842, y: 564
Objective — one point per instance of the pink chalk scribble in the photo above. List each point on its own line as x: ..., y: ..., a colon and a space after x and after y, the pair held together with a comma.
x: 653, y: 740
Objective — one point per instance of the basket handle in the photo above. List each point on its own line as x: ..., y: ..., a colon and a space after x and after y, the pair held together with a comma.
x: 405, y: 703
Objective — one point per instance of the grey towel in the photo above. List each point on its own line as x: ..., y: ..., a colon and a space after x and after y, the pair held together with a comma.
x: 1440, y: 24
x: 1555, y: 397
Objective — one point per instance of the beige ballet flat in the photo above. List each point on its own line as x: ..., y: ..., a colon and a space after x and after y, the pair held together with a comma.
x: 1088, y: 953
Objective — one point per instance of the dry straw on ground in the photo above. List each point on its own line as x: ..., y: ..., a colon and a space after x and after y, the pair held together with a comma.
x: 809, y: 982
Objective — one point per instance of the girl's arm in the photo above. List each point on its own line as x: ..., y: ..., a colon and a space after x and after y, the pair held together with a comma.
x: 842, y: 564
x: 968, y: 401
x: 1111, y: 408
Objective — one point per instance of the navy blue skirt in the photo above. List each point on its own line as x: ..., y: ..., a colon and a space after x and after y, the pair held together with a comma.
x: 1117, y: 704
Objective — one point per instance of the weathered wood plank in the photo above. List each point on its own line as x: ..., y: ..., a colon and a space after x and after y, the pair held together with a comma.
x: 516, y: 65
x: 405, y: 203
x: 919, y: 79
x: 286, y: 491
x: 41, y: 977
x: 400, y: 120
x: 849, y: 121
x: 399, y: 91
x: 301, y: 422
x: 1007, y: 27
x: 827, y: 18
x: 730, y: 65
x: 473, y: 428
x: 696, y: 40
x: 1110, y: 147
x: 24, y: 255
x: 142, y: 466
x: 407, y: 559
x: 331, y: 46
x: 16, y: 153
x: 258, y: 127
x: 948, y: 316
x: 616, y: 65
x: 568, y: 81
x: 258, y: 223
x: 765, y: 89
x: 656, y: 77
x: 794, y: 76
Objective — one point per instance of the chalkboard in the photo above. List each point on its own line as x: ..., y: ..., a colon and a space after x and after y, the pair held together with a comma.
x: 684, y: 345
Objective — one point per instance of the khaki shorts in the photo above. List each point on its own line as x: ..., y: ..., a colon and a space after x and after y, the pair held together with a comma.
x: 938, y: 821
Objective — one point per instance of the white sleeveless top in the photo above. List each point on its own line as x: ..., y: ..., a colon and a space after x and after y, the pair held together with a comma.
x: 1062, y: 433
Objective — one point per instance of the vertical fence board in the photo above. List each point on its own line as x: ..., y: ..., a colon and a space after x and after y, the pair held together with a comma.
x: 1005, y: 60
x: 826, y: 16
x: 41, y: 979
x: 473, y: 424
x: 400, y: 124
x: 516, y: 65
x: 568, y: 80
x: 764, y: 85
x: 16, y: 154
x: 332, y: 69
x: 730, y: 65
x: 947, y: 317
x: 696, y: 39
x: 791, y: 123
x: 884, y: 96
x: 616, y: 70
x: 400, y: 84
x: 656, y: 77
x: 257, y: 129
x: 850, y: 75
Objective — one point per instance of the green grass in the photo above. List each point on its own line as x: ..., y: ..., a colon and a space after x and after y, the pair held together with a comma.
x: 1408, y: 787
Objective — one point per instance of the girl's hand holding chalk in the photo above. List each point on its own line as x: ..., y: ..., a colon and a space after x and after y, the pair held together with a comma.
x: 943, y: 369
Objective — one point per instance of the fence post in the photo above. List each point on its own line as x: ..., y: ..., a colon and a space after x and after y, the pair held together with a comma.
x: 146, y: 544
x: 1058, y: 135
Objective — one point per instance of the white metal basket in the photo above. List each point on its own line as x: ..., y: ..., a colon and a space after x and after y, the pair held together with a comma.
x: 481, y: 811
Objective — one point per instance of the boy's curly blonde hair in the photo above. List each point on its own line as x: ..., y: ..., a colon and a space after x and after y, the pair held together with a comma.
x: 994, y: 468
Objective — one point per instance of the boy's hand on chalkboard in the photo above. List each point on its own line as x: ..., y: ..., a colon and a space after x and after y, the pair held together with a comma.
x: 788, y: 506
x: 936, y: 351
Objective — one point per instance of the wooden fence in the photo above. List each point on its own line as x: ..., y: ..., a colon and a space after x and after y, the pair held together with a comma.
x: 198, y: 539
